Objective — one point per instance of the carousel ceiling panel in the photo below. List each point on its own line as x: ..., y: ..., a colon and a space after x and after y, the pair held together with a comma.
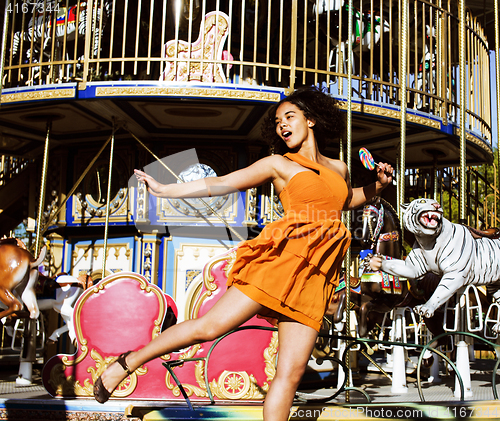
x: 191, y: 118
x: 424, y: 152
x: 23, y: 128
x: 203, y: 117
x: 194, y: 118
x: 423, y: 145
x: 67, y: 121
x: 12, y: 143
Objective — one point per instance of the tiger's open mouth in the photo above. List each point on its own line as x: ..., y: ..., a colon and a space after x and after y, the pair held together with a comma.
x: 430, y: 219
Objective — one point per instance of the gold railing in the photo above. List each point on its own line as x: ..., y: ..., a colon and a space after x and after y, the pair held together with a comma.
x: 11, y: 166
x: 274, y: 43
x: 482, y: 199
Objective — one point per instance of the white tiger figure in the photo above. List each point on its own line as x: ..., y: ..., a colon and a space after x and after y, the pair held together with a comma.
x: 446, y: 249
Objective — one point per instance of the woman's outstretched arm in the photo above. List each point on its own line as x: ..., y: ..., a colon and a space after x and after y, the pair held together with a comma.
x: 254, y: 175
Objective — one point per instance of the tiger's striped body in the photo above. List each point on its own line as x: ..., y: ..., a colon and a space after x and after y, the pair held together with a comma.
x: 446, y: 249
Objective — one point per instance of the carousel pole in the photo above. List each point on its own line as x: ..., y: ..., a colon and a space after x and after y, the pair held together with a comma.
x: 441, y: 92
x: 403, y: 95
x: 440, y: 83
x: 43, y: 185
x: 73, y: 189
x: 28, y: 351
x: 463, y: 111
x: 398, y: 352
x: 4, y: 42
x: 293, y: 44
x: 106, y: 225
x: 497, y: 65
x: 348, y: 156
x: 462, y: 354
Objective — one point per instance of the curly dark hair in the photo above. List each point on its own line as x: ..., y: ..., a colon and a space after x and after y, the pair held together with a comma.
x: 316, y: 105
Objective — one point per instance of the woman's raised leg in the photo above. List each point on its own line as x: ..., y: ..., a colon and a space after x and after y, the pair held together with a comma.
x: 296, y: 343
x: 228, y: 313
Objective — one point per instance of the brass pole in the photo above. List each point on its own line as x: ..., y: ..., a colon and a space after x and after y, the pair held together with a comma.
x: 440, y: 87
x: 402, y: 88
x: 82, y: 176
x: 88, y: 45
x: 497, y: 61
x: 43, y: 185
x: 463, y: 111
x: 348, y: 155
x: 435, y: 180
x: 293, y: 46
x: 4, y: 43
x: 377, y: 366
x: 440, y: 83
x: 106, y: 225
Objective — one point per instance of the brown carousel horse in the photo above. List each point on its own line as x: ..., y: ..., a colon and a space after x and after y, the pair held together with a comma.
x: 18, y: 277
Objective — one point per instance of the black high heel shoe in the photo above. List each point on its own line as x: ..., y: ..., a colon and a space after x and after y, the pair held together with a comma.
x: 101, y: 394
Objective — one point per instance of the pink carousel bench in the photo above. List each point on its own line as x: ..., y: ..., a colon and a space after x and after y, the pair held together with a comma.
x: 124, y: 312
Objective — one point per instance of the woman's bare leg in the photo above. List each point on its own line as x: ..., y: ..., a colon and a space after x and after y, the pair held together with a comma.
x: 228, y: 313
x: 296, y: 343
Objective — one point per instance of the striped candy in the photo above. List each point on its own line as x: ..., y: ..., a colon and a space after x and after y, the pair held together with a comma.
x: 366, y: 159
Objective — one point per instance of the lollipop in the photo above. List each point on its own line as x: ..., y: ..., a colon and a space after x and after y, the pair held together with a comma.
x: 367, y: 159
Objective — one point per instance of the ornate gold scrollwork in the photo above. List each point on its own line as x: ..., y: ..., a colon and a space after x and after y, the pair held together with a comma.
x: 37, y: 95
x: 62, y: 385
x: 269, y: 357
x: 236, y: 385
x: 67, y: 386
x: 188, y: 91
x: 209, y: 280
x: 144, y: 285
x: 251, y: 207
x: 127, y: 386
x: 230, y: 384
x: 231, y: 258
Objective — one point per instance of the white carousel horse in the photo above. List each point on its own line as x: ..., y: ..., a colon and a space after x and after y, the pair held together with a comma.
x: 362, y: 30
x: 70, y: 22
x: 69, y: 289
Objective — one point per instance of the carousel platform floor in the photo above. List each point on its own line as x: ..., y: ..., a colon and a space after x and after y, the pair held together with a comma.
x: 33, y: 402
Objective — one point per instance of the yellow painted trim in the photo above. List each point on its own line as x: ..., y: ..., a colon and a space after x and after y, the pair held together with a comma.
x: 187, y: 91
x: 37, y: 95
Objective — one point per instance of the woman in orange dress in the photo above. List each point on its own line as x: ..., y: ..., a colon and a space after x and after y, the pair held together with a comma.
x: 290, y: 270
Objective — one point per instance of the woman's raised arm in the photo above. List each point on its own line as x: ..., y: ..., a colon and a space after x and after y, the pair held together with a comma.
x: 254, y: 175
x: 358, y: 196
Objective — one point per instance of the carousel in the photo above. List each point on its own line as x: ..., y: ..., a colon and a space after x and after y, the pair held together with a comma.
x: 93, y: 264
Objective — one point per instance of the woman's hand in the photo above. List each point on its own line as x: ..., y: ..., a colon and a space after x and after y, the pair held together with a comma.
x: 384, y: 173
x: 376, y: 263
x: 361, y: 195
x: 153, y: 186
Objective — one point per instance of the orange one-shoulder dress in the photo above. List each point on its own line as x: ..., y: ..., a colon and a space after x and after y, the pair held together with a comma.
x: 293, y: 266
